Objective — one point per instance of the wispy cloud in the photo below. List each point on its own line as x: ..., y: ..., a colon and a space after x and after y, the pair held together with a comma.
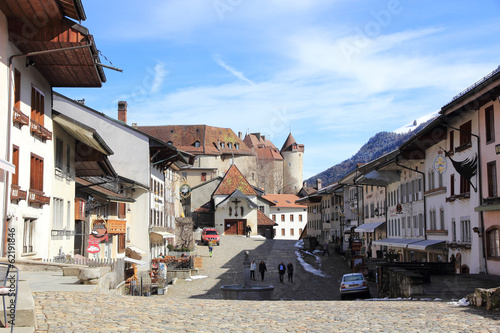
x: 231, y: 70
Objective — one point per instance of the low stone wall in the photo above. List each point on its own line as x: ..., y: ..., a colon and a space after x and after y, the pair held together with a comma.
x: 399, y: 282
x: 487, y: 298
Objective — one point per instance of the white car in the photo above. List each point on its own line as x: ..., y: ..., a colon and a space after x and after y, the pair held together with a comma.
x: 354, y: 283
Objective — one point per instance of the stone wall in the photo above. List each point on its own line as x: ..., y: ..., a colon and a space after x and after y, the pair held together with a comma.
x: 399, y: 282
x: 487, y: 298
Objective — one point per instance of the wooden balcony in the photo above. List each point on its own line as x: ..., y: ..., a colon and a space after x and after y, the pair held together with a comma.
x: 20, y: 118
x: 16, y: 193
x: 117, y: 227
x: 79, y: 209
x: 40, y: 131
x: 37, y: 197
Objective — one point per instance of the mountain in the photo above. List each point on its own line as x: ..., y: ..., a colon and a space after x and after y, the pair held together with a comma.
x: 378, y: 145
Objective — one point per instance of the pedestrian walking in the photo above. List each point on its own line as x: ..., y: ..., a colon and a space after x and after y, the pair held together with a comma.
x: 210, y: 249
x: 253, y: 267
x: 289, y: 269
x: 281, y: 271
x: 262, y: 269
x: 325, y: 249
x: 249, y: 230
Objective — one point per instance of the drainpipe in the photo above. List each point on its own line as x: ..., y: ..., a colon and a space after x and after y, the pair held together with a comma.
x: 479, y: 189
x: 8, y: 141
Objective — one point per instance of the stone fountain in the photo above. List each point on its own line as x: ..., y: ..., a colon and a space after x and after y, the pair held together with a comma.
x: 247, y: 291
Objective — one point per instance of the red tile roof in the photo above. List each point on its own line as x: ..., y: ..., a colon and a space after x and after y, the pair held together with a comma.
x: 264, y: 148
x: 284, y: 200
x: 262, y: 219
x: 212, y: 140
x: 232, y: 181
x: 290, y: 142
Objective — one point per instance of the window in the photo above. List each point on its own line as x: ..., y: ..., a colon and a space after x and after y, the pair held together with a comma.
x: 59, y: 153
x: 300, y: 231
x: 274, y: 217
x: 121, y: 243
x: 282, y: 232
x: 441, y: 219
x: 291, y: 217
x: 490, y: 124
x: 291, y: 232
x: 230, y: 145
x: 15, y: 161
x: 464, y: 185
x: 222, y: 145
x: 282, y: 217
x: 58, y: 213
x: 452, y: 184
x: 465, y: 133
x: 453, y: 231
x: 452, y: 141
x: 122, y: 210
x: 493, y: 242
x: 36, y: 177
x: 197, y: 144
x: 203, y: 176
x: 300, y: 217
x: 237, y: 145
x: 37, y: 105
x: 465, y: 229
x: 492, y: 179
x: 29, y: 229
x: 17, y: 89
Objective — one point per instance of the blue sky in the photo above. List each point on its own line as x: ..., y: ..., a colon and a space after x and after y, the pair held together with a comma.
x: 333, y: 72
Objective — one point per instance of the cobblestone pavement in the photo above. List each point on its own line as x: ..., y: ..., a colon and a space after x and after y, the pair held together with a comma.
x: 307, y: 305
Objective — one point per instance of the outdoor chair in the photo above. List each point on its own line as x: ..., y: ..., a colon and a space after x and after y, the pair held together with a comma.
x: 9, y: 284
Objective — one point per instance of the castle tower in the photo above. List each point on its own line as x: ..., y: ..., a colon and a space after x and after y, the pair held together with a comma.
x: 293, y: 155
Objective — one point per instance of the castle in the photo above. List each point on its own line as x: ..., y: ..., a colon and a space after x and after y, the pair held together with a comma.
x: 216, y: 149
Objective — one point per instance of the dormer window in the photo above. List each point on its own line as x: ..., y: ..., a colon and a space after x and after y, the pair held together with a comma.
x: 222, y: 145
x: 237, y: 146
x: 230, y: 145
x: 170, y: 143
x: 197, y: 144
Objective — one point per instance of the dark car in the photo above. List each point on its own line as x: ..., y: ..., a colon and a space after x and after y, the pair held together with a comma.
x: 210, y: 235
x: 354, y: 283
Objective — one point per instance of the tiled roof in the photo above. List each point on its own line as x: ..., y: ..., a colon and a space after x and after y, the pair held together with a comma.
x: 232, y: 181
x: 212, y: 140
x: 262, y: 219
x: 284, y: 200
x: 264, y: 148
x: 290, y: 141
x: 205, y: 208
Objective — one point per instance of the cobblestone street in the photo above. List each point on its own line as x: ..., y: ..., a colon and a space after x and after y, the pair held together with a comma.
x: 310, y: 304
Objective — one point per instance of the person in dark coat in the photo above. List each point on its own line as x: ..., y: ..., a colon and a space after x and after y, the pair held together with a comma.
x: 289, y: 269
x: 281, y: 270
x: 262, y: 269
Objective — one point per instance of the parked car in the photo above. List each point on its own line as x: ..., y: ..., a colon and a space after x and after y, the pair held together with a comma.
x: 354, y: 283
x: 210, y: 235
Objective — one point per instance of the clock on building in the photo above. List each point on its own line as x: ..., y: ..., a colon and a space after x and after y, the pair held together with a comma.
x: 440, y: 164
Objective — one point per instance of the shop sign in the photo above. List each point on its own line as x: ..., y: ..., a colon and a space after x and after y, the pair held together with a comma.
x: 98, y: 234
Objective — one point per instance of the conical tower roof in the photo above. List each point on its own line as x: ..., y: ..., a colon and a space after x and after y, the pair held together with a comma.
x: 288, y: 143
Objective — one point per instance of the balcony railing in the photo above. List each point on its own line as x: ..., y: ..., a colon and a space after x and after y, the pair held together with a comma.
x: 40, y: 131
x: 17, y: 194
x: 20, y: 118
x: 37, y: 197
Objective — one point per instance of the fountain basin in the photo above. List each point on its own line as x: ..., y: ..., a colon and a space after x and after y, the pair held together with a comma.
x: 256, y: 292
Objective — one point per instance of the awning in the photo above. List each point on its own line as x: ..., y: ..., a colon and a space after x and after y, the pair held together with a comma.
x: 135, y: 261
x: 395, y: 242
x: 7, y: 166
x: 422, y: 245
x: 164, y: 234
x: 369, y: 227
x: 486, y: 208
x: 137, y: 251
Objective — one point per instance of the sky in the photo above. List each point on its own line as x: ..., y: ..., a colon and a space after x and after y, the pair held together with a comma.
x: 332, y: 72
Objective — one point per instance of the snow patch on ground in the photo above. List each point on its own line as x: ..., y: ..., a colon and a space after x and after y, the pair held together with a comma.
x: 196, y: 277
x: 462, y: 302
x: 308, y: 267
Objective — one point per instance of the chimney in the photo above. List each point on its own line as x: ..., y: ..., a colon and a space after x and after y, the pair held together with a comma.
x: 318, y: 183
x: 122, y: 111
x: 239, y: 135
